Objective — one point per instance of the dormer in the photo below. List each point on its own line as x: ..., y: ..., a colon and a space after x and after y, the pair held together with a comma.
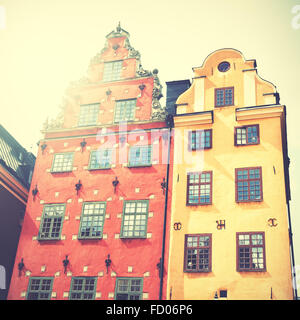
x: 226, y: 80
x: 116, y: 89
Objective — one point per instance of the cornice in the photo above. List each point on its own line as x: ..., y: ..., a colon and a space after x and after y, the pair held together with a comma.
x: 192, y: 119
x: 13, y: 186
x: 97, y: 127
x: 259, y: 112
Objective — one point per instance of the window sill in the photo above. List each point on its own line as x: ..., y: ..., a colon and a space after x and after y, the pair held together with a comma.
x: 200, y: 149
x: 139, y: 166
x: 89, y: 238
x: 132, y: 238
x: 198, y: 204
x: 253, y: 270
x: 246, y: 144
x: 48, y: 239
x: 248, y: 201
x: 197, y: 271
x: 93, y: 169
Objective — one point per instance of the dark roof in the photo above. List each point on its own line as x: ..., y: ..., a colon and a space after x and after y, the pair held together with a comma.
x: 174, y: 90
x: 15, y: 159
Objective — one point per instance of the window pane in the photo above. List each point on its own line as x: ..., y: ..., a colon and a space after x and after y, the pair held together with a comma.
x: 112, y: 70
x: 200, y: 139
x: 241, y: 136
x: 197, y: 253
x: 223, y: 97
x: 140, y: 156
x: 192, y: 259
x: 203, y: 259
x: 251, y: 252
x: 134, y: 222
x: 257, y: 258
x: 199, y: 188
x: 83, y: 288
x: 192, y: 241
x: 51, y: 222
x: 92, y: 220
x: 252, y: 134
x: 228, y: 96
x: 100, y: 159
x: 39, y: 289
x: 88, y: 114
x: 125, y: 110
x: 204, y: 241
x: 257, y: 239
x: 129, y: 289
x: 62, y: 162
x: 247, y: 135
x: 220, y: 97
x: 248, y: 184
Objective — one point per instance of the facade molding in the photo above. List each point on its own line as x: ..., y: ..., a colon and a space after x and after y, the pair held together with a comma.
x: 192, y: 119
x: 258, y: 112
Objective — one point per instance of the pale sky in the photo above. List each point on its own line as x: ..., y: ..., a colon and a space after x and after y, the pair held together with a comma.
x: 46, y: 44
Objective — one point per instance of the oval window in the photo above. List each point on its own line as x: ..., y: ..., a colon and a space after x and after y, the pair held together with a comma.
x: 224, y: 66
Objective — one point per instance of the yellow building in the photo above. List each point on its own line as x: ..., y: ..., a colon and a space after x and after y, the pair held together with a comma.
x: 230, y: 214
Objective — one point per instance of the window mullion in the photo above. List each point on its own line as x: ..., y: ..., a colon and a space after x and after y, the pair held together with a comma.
x: 51, y: 226
x: 198, y: 248
x: 223, y: 97
x: 247, y: 141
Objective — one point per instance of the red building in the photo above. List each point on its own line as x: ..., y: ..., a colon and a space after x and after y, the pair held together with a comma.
x: 96, y: 219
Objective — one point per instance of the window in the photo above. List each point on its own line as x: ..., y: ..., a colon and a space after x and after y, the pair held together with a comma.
x: 248, y: 183
x: 246, y: 135
x: 83, y: 288
x: 100, y: 159
x: 224, y: 97
x: 135, y: 218
x: 140, y: 156
x: 199, y: 188
x: 39, y: 288
x: 200, y: 139
x: 51, y: 223
x: 224, y: 66
x: 88, y: 114
x: 197, y: 253
x: 223, y: 293
x: 92, y: 220
x: 112, y: 70
x: 251, y: 251
x: 62, y: 162
x: 129, y: 288
x: 125, y: 110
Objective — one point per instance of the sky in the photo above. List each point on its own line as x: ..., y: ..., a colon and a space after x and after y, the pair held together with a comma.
x: 46, y: 44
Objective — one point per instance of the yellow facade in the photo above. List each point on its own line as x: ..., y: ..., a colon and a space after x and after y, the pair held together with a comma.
x: 255, y: 103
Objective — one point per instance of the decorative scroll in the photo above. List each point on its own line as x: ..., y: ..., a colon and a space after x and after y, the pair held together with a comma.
x: 220, y: 224
x: 177, y: 226
x: 56, y: 123
x: 272, y: 222
x: 158, y: 112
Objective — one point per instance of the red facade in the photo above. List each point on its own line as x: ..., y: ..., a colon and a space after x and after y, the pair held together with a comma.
x: 122, y: 114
